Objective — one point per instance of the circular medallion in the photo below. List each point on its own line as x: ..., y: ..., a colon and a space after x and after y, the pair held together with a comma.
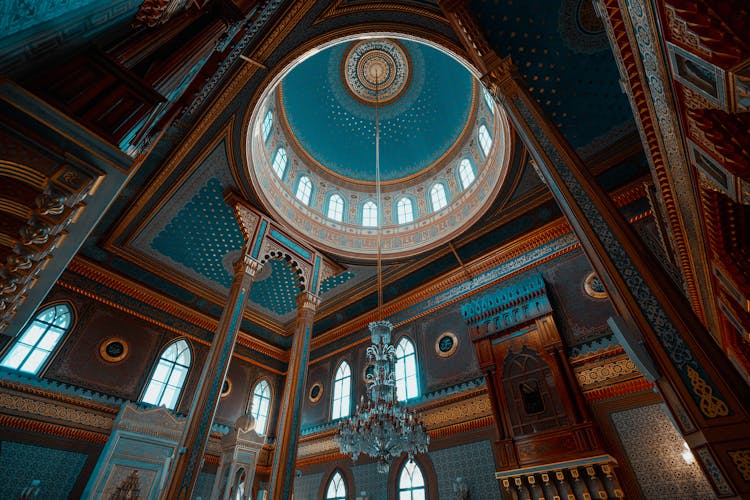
x: 376, y: 70
x: 446, y: 345
x: 226, y: 387
x: 316, y: 392
x: 113, y: 349
x: 594, y: 287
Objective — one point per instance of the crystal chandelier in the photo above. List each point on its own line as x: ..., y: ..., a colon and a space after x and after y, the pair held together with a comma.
x: 381, y: 427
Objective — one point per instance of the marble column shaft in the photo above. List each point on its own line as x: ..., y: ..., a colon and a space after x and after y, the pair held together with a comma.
x: 185, y: 467
x: 285, y: 456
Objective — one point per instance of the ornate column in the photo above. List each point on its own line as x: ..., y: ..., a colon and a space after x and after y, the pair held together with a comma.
x: 710, y: 401
x: 185, y: 467
x: 285, y: 456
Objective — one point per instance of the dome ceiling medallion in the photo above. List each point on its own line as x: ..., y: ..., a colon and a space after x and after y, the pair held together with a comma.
x: 376, y: 69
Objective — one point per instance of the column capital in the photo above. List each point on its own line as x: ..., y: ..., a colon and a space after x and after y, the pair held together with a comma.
x: 307, y: 300
x: 248, y: 265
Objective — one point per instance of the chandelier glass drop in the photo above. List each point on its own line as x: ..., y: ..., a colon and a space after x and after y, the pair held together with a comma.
x: 381, y: 427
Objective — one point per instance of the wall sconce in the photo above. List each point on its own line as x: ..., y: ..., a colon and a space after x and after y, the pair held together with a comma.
x: 687, y: 455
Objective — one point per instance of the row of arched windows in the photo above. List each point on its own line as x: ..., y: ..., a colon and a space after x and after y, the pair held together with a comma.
x: 334, y: 209
x: 31, y: 350
x: 410, y: 481
x: 407, y: 385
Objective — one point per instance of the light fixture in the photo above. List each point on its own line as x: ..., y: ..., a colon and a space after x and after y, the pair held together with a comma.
x: 380, y: 426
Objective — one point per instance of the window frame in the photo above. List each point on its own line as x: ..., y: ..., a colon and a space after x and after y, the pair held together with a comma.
x: 406, y: 338
x: 44, y: 364
x: 309, y: 191
x: 336, y: 474
x: 350, y: 393
x: 266, y: 132
x: 431, y: 199
x: 485, y: 147
x: 411, y: 210
x: 173, y: 363
x: 280, y: 150
x: 270, y: 402
x: 365, y: 208
x: 328, y: 206
x: 462, y: 167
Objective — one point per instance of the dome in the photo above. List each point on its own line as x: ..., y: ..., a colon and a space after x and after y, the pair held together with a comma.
x: 443, y: 147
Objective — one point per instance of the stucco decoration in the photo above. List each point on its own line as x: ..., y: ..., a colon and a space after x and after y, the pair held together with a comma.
x: 376, y: 71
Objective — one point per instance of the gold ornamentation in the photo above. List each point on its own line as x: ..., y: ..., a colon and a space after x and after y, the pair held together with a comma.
x: 711, y: 406
x: 446, y: 345
x: 316, y: 392
x: 226, y: 388
x: 37, y: 409
x: 741, y: 459
x: 593, y: 287
x: 606, y: 372
x: 113, y: 349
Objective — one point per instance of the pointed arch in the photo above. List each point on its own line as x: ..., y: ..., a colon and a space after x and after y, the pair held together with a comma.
x: 279, y: 162
x: 336, y: 489
x: 168, y: 377
x: 407, y: 382
x: 31, y: 350
x: 342, y: 391
x: 304, y: 189
x: 404, y: 210
x: 335, y: 209
x: 466, y: 173
x: 438, y: 197
x: 370, y: 214
x: 485, y: 139
x: 267, y: 125
x: 260, y: 408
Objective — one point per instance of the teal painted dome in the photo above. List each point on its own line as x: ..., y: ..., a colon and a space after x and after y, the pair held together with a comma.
x: 424, y: 98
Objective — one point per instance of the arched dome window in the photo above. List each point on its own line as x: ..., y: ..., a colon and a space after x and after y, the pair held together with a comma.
x: 342, y: 391
x: 411, y: 482
x: 267, y: 124
x: 261, y: 405
x: 335, y: 209
x: 438, y: 198
x: 336, y: 487
x: 489, y: 100
x: 165, y: 386
x: 304, y: 189
x: 370, y: 214
x: 485, y: 139
x: 404, y: 211
x: 406, y: 370
x: 466, y: 173
x: 279, y: 162
x: 34, y: 346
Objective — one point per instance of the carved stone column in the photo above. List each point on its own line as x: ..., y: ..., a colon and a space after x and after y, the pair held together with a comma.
x: 710, y: 401
x: 285, y: 456
x: 184, y: 470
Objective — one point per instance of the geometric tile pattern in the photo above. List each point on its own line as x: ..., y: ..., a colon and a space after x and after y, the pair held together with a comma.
x: 201, y: 234
x: 473, y: 462
x: 57, y: 470
x: 278, y: 292
x: 306, y: 487
x: 654, y: 449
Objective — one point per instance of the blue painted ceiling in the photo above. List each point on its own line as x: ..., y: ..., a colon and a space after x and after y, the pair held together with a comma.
x: 564, y: 57
x: 339, y: 132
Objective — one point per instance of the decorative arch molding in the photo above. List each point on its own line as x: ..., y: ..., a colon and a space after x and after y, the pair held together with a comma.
x: 346, y: 473
x: 428, y: 472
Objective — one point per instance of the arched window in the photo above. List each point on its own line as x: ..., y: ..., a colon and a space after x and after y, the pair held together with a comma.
x: 489, y: 100
x: 369, y: 214
x: 261, y: 405
x: 336, y: 487
x: 267, y: 124
x: 170, y: 373
x: 406, y: 370
x: 437, y: 197
x: 485, y: 139
x: 279, y: 162
x: 342, y: 391
x: 404, y: 211
x: 335, y: 207
x: 466, y: 173
x: 39, y: 339
x: 304, y: 189
x: 411, y: 482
